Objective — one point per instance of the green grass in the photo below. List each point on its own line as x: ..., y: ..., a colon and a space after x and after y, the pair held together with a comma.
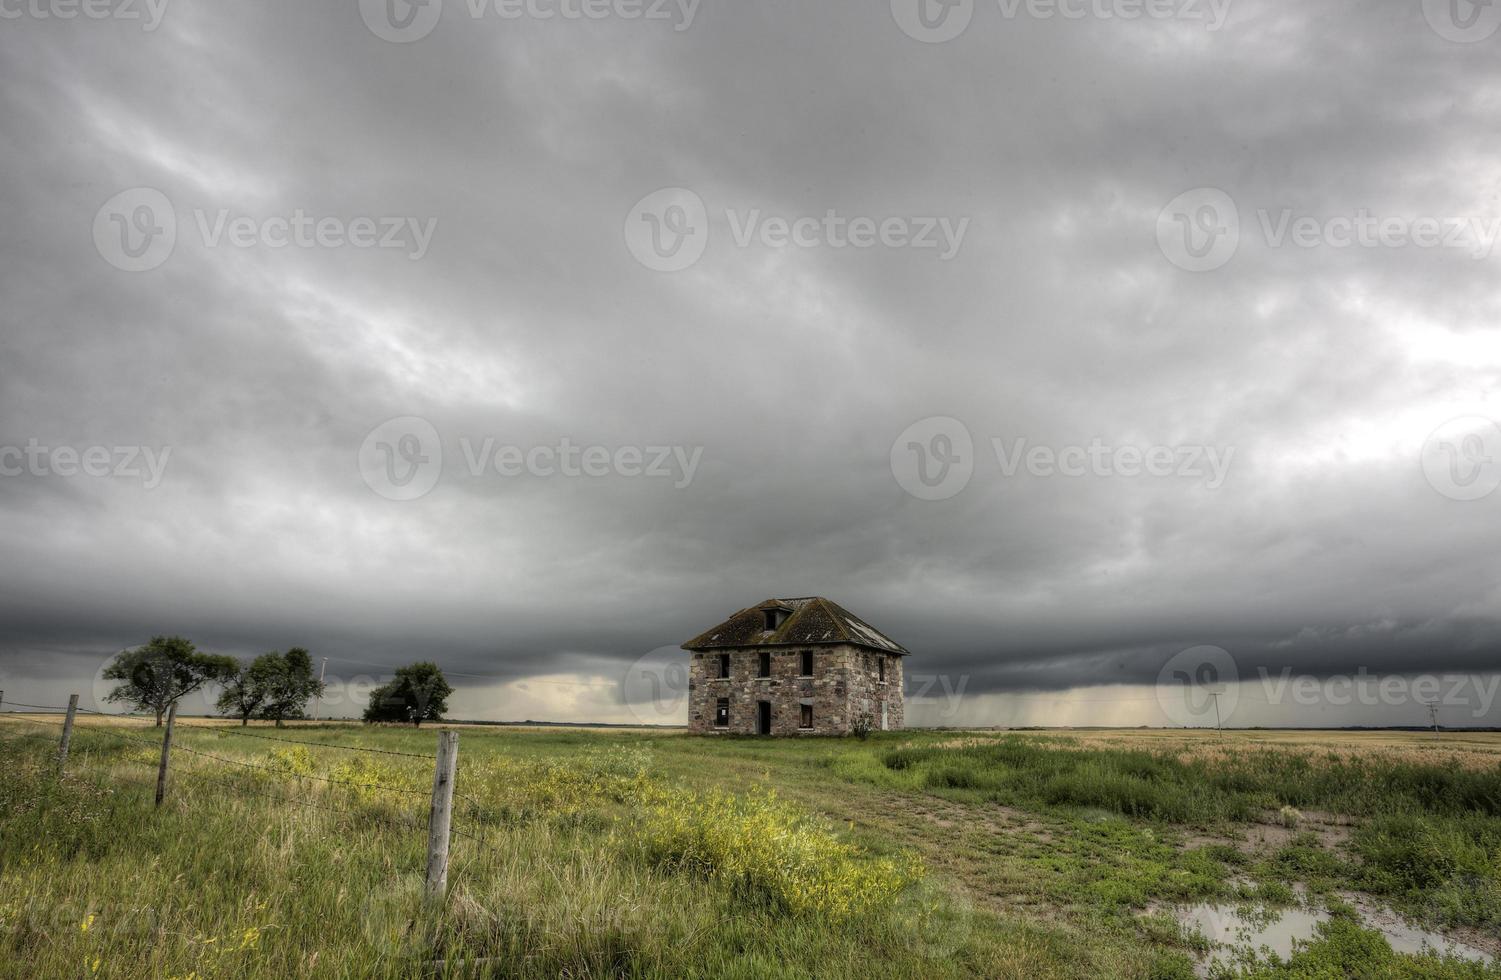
x: 653, y: 854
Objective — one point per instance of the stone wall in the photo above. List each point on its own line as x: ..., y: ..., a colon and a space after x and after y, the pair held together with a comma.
x: 845, y: 682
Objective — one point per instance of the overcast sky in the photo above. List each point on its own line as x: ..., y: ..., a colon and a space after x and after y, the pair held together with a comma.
x: 1051, y: 345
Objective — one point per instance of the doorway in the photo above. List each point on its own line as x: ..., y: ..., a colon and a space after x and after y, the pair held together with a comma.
x: 763, y: 717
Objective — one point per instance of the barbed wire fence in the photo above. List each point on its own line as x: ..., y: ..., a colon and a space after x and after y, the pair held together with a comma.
x: 208, y: 768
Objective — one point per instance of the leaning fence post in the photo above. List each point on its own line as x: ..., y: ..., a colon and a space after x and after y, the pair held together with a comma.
x: 161, y: 773
x: 441, y: 818
x: 62, y: 748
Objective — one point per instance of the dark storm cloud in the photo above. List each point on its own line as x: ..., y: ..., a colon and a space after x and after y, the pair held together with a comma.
x: 522, y: 145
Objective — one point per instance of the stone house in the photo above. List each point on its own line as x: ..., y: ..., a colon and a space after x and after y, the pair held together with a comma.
x: 794, y: 667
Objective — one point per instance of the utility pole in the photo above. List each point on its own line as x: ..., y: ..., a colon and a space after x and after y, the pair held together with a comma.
x: 318, y: 701
x: 1433, y: 715
x: 1216, y: 696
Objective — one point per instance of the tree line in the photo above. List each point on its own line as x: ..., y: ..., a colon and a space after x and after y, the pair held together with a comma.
x: 274, y: 686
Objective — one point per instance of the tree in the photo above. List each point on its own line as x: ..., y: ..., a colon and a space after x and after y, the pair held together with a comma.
x: 245, y: 694
x: 419, y: 692
x: 159, y: 674
x: 291, y: 686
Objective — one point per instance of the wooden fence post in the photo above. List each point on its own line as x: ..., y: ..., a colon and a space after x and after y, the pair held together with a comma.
x: 441, y: 818
x: 62, y: 748
x: 161, y: 773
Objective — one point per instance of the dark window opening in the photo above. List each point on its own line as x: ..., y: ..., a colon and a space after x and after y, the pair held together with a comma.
x: 724, y: 665
x: 806, y: 720
x: 765, y: 664
x: 881, y: 667
x: 774, y: 618
x: 807, y: 663
x: 722, y: 713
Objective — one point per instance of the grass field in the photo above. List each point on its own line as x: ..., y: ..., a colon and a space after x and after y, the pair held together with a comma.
x: 650, y: 853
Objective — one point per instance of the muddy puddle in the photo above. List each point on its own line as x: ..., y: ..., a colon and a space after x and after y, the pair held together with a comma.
x: 1235, y: 929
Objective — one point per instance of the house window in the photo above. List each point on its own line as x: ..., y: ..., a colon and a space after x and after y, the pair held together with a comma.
x: 765, y: 664
x: 724, y: 665
x: 881, y: 667
x: 805, y: 720
x: 722, y: 713
x: 807, y: 667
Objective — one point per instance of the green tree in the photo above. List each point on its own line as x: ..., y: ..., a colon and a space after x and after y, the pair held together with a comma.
x: 419, y: 692
x: 291, y: 686
x: 161, y: 673
x: 246, y: 693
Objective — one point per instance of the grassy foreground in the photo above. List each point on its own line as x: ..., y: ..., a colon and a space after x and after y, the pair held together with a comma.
x: 603, y: 854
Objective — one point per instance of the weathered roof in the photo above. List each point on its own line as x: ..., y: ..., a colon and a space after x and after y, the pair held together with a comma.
x: 815, y: 621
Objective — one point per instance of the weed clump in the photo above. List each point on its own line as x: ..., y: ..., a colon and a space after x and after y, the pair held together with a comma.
x: 762, y: 847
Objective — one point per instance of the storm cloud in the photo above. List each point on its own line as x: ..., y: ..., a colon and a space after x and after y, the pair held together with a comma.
x: 534, y: 338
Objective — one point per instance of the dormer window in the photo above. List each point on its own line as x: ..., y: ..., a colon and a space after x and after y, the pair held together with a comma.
x: 775, y: 618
